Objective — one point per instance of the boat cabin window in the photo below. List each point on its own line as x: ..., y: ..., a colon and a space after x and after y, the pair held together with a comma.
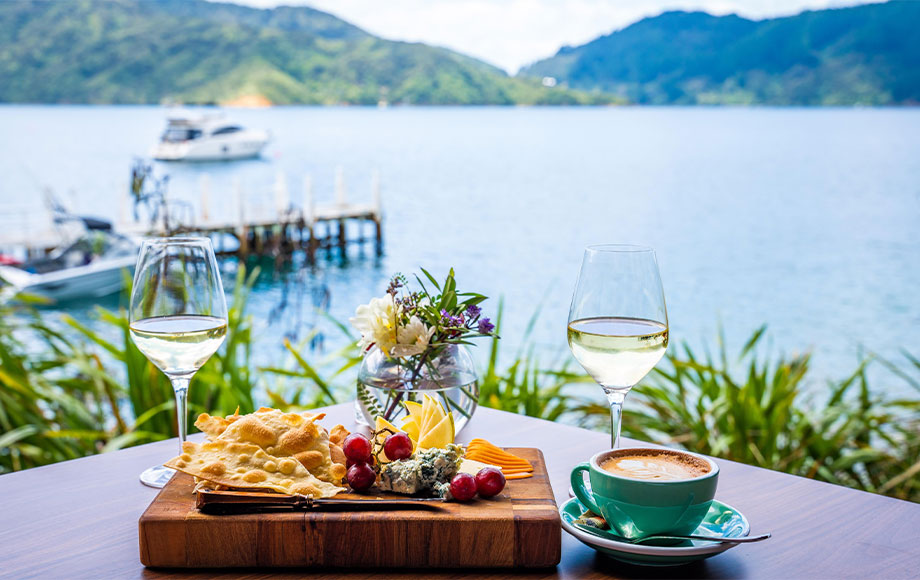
x: 227, y: 130
x: 176, y: 135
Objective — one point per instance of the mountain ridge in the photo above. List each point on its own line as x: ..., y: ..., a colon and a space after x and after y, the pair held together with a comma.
x: 867, y: 54
x: 192, y: 51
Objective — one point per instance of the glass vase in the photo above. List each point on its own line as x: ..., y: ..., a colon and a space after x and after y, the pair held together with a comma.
x: 385, y: 384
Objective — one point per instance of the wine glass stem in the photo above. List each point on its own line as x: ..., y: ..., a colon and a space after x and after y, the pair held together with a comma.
x: 180, y: 387
x: 615, y: 399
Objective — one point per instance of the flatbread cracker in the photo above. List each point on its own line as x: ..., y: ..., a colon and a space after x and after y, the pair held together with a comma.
x: 213, y: 426
x: 249, y: 467
x: 283, y: 434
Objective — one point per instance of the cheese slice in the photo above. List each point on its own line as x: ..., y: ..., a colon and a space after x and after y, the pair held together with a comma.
x: 415, y: 411
x: 472, y: 467
x: 427, y: 410
x: 436, y: 414
x: 411, y: 428
x: 438, y: 436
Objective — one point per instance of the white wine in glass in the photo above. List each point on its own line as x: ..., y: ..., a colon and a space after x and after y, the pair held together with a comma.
x: 179, y: 345
x: 178, y: 318
x: 618, y: 322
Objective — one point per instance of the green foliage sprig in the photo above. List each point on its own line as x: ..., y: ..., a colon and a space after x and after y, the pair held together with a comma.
x: 414, y: 327
x: 73, y: 394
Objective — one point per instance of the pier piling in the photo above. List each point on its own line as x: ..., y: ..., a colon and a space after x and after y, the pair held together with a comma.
x: 272, y: 225
x: 278, y: 227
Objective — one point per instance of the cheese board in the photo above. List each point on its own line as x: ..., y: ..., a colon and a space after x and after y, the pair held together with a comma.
x: 520, y: 527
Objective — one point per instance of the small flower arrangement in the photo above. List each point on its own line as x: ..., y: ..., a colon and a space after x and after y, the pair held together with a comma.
x: 413, y: 328
x: 413, y: 343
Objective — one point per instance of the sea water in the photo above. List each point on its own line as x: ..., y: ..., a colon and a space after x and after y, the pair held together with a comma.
x: 804, y: 219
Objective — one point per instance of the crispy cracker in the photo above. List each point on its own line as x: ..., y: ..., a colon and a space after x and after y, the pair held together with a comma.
x: 249, y: 467
x: 284, y: 435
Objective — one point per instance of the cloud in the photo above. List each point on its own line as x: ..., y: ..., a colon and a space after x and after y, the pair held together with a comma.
x: 513, y: 33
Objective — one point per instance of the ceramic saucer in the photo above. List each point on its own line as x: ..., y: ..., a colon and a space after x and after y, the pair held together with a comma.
x: 721, y: 520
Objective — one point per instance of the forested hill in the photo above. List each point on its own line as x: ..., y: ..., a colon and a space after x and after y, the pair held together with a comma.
x: 867, y: 54
x: 141, y: 51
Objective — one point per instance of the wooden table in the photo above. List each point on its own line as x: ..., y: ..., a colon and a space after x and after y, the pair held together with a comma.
x: 78, y: 519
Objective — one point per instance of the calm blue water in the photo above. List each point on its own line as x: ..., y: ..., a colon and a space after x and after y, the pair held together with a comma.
x: 801, y: 218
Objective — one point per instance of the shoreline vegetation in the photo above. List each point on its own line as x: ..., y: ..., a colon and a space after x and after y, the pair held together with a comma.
x: 194, y: 51
x: 863, y: 55
x: 200, y: 52
x: 73, y: 393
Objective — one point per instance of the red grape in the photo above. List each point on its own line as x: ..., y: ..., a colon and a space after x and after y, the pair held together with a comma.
x: 463, y: 487
x: 489, y: 481
x: 397, y: 446
x: 357, y: 448
x: 361, y: 476
x: 349, y: 462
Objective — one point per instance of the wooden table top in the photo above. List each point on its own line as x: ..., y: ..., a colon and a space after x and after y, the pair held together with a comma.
x: 78, y: 519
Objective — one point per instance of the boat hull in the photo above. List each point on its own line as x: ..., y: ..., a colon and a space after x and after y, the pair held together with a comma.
x: 242, y: 145
x: 91, y: 281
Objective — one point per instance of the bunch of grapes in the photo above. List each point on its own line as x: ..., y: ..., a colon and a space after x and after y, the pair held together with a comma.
x: 360, y: 474
x: 360, y: 460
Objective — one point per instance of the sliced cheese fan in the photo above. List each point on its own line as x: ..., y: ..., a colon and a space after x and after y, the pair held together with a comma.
x: 513, y: 467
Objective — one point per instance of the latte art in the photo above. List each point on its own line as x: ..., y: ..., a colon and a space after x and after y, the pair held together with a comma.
x: 659, y: 467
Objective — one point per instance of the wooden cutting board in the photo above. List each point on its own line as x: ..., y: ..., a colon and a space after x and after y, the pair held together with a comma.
x: 519, y: 527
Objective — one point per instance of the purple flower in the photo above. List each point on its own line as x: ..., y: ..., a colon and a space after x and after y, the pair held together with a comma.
x: 485, y: 327
x: 472, y: 311
x: 449, y: 320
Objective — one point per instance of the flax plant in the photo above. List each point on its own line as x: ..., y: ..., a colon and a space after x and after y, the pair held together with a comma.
x: 756, y: 411
x: 524, y: 386
x: 35, y: 407
x: 324, y: 382
x: 222, y: 385
x: 73, y: 392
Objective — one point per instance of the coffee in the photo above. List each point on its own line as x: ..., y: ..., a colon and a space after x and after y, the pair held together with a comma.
x: 655, y: 465
x: 642, y: 491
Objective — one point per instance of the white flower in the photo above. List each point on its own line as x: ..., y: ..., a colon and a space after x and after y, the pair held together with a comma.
x: 377, y: 323
x: 412, y: 339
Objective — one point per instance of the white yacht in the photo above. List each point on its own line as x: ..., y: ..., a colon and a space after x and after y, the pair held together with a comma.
x: 92, y: 266
x: 208, y: 138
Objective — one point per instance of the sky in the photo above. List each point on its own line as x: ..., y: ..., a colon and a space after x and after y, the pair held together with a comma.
x: 514, y: 33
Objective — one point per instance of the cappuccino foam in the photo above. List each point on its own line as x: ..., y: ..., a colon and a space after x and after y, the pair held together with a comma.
x: 655, y: 465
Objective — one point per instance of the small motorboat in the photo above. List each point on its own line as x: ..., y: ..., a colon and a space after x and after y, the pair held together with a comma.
x: 93, y: 265
x: 208, y: 138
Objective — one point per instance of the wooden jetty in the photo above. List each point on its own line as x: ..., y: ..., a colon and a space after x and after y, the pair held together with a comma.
x: 281, y: 227
x: 273, y: 226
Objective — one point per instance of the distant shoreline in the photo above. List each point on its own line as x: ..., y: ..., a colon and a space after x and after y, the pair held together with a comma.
x: 206, y: 53
x: 898, y: 106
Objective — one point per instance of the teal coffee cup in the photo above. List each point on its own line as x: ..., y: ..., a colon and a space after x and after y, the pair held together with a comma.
x: 641, y: 491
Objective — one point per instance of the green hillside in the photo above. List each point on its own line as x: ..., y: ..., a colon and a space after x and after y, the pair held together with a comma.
x: 866, y: 54
x: 130, y: 51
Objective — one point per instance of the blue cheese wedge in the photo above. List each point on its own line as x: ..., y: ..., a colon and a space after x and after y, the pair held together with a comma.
x: 443, y: 490
x: 423, y: 472
x: 400, y: 476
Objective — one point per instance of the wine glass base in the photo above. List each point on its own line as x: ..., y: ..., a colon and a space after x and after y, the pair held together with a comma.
x: 157, y: 476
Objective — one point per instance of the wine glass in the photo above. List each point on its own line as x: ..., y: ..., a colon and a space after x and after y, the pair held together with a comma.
x: 618, y: 322
x: 178, y: 318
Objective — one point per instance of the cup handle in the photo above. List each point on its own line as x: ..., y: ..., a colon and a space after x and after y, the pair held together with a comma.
x: 578, y: 488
